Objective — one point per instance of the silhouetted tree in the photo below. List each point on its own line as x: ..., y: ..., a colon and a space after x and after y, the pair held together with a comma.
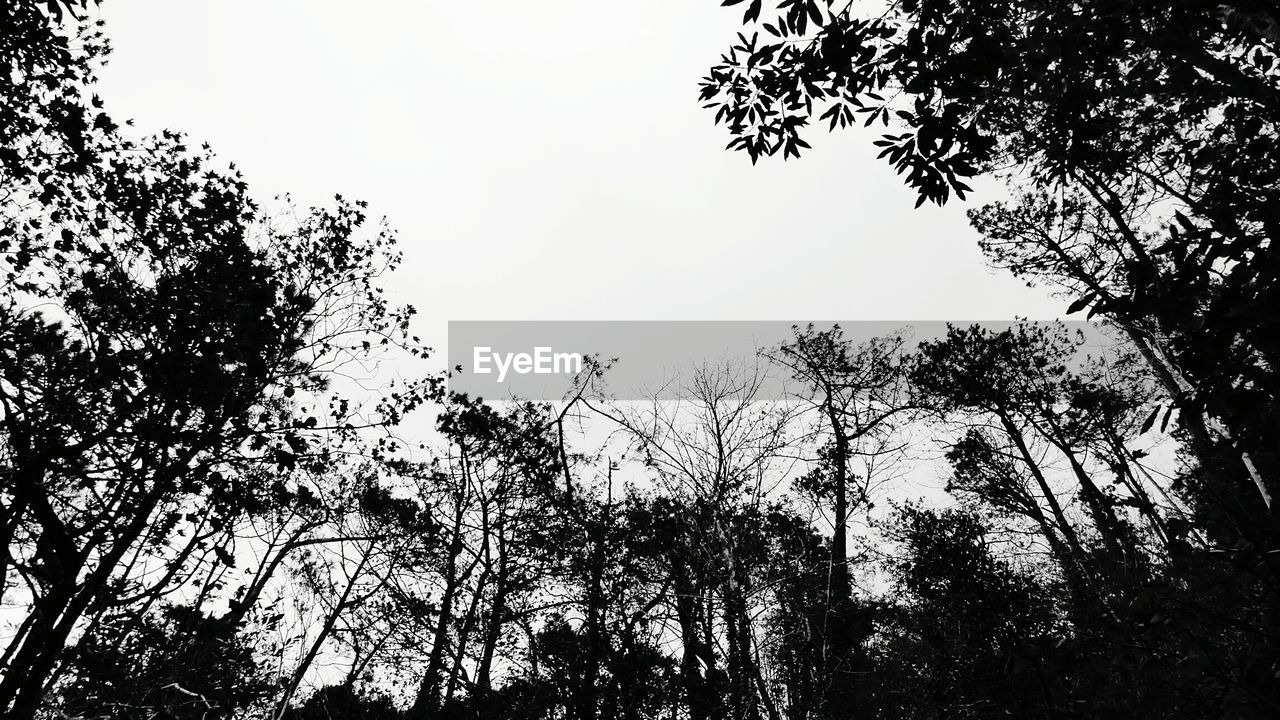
x: 1138, y: 139
x: 199, y: 517
x: 179, y: 664
x: 167, y: 352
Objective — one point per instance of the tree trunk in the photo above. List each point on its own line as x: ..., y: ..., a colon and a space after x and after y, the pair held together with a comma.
x: 330, y: 621
x: 428, y: 698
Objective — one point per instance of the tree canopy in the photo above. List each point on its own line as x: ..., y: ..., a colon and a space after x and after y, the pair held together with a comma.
x: 203, y: 516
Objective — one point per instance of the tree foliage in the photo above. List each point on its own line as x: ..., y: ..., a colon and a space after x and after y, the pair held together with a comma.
x: 201, y: 515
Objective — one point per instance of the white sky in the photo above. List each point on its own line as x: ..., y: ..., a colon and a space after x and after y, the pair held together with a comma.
x: 548, y: 160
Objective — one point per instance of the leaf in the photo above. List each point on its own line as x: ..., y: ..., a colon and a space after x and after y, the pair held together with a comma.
x: 815, y: 12
x: 763, y: 56
x: 1151, y: 420
x: 1080, y: 303
x: 225, y: 557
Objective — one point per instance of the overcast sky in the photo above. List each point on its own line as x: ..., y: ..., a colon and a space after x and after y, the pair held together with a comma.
x: 548, y: 160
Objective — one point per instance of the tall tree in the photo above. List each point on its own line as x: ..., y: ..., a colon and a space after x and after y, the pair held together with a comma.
x: 717, y: 451
x: 164, y: 340
x: 1139, y: 137
x: 860, y: 397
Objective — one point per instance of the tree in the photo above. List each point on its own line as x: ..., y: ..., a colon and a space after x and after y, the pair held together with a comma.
x: 1034, y: 420
x: 374, y: 541
x: 167, y: 347
x: 179, y: 664
x: 713, y: 452
x: 966, y: 642
x: 502, y: 541
x: 859, y: 394
x: 1020, y: 378
x: 199, y: 517
x: 1138, y: 138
